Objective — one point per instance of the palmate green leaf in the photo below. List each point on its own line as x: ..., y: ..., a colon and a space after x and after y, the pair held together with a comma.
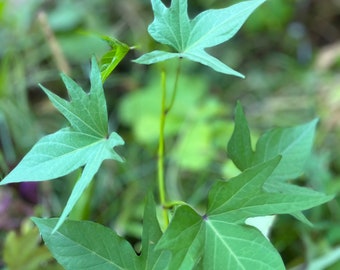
x: 190, y: 38
x: 112, y: 58
x: 220, y: 239
x: 86, y: 245
x: 85, y: 143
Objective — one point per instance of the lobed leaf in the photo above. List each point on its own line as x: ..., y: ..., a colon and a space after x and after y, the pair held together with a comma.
x: 216, y: 244
x: 85, y: 143
x: 220, y: 239
x: 190, y: 38
x: 86, y: 113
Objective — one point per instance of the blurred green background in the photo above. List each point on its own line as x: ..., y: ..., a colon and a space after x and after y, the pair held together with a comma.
x: 289, y: 51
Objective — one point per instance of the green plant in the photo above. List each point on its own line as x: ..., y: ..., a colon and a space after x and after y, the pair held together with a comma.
x: 216, y: 237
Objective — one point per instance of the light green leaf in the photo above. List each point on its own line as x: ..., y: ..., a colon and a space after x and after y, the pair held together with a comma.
x: 86, y: 245
x: 239, y: 146
x: 86, y: 112
x: 112, y: 58
x: 190, y: 38
x: 85, y: 143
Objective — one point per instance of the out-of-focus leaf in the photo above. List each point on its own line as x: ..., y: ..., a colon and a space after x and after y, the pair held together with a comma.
x: 22, y: 251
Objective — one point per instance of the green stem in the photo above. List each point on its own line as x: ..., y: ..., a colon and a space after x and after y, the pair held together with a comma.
x: 161, y: 152
x: 174, y: 92
x: 161, y: 185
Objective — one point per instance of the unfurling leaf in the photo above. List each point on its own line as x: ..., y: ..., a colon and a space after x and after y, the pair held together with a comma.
x: 112, y: 58
x: 172, y: 26
x: 85, y: 143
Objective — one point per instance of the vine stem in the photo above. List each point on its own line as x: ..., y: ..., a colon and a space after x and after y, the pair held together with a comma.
x: 161, y: 144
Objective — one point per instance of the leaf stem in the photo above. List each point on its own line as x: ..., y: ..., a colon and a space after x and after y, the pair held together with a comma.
x: 174, y: 92
x: 161, y: 185
x: 161, y: 145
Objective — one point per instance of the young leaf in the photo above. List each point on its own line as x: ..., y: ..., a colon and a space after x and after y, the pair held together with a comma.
x: 85, y: 142
x: 190, y: 38
x: 111, y: 59
x: 220, y: 239
x: 239, y: 146
x: 86, y: 245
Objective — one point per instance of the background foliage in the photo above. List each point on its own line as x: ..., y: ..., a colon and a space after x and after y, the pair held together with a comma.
x: 289, y: 52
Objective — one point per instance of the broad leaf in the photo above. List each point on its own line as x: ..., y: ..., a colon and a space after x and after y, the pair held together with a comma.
x: 85, y: 143
x: 86, y: 245
x: 190, y: 38
x: 112, y: 58
x: 220, y: 239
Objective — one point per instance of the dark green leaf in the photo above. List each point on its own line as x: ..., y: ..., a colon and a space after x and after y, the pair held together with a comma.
x: 220, y: 239
x: 86, y: 245
x: 239, y: 146
x: 151, y: 258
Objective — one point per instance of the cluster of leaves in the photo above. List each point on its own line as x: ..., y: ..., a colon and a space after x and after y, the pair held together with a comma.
x: 216, y: 239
